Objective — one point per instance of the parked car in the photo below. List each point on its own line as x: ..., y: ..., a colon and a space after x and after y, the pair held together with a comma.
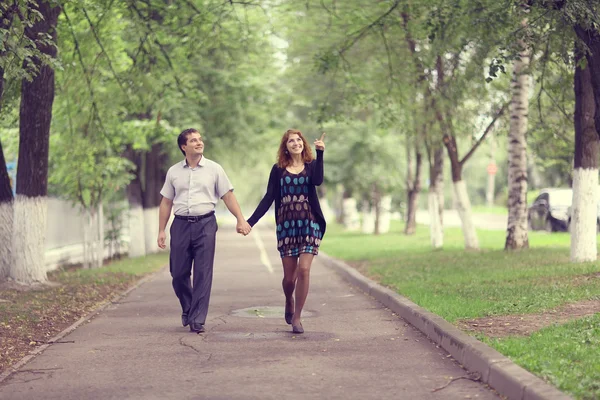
x: 550, y: 210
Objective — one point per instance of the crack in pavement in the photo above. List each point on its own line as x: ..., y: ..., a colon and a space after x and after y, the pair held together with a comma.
x: 181, y: 342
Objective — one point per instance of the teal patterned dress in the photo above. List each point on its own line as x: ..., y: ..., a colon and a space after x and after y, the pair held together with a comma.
x: 297, y: 228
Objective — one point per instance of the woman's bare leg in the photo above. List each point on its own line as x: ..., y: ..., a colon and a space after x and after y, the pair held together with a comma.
x: 290, y: 269
x: 302, y: 283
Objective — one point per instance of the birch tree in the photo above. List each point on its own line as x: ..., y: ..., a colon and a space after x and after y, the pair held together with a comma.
x: 516, y: 230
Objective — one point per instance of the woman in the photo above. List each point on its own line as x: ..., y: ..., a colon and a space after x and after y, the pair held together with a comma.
x: 300, y: 222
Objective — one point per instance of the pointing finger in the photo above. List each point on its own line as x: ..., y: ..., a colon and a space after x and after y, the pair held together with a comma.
x: 322, y: 137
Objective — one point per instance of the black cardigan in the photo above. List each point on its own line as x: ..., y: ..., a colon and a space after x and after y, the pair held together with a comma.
x: 314, y: 170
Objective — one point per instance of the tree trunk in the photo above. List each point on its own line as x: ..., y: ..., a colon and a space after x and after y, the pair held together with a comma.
x: 591, y: 37
x: 584, y: 209
x: 137, y: 238
x: 516, y: 231
x: 461, y: 196
x: 463, y: 206
x: 376, y: 209
x: 491, y: 177
x: 438, y: 162
x: 413, y: 188
x: 87, y: 240
x: 100, y: 235
x: 6, y: 194
x: 35, y: 117
x: 6, y: 219
x: 155, y: 172
x: 368, y: 218
x: 436, y: 190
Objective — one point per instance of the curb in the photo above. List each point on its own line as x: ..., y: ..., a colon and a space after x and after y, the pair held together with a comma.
x: 495, y: 369
x: 39, y: 350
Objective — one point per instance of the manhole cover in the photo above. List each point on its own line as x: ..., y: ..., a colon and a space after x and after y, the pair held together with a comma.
x: 265, y: 312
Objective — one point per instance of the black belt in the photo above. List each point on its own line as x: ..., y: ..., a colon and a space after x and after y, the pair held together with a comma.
x: 194, y: 218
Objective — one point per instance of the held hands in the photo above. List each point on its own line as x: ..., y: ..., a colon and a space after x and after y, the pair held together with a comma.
x: 319, y: 143
x: 243, y: 227
x: 162, y: 238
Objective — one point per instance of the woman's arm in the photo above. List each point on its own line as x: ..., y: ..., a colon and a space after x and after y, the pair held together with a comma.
x: 317, y: 169
x: 267, y: 199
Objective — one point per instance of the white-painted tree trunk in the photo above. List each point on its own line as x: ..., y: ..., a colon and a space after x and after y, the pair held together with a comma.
x: 86, y: 240
x: 436, y: 232
x: 385, y: 215
x: 368, y: 219
x: 89, y: 259
x: 351, y: 216
x: 584, y: 214
x: 151, y: 229
x: 29, y: 240
x: 463, y: 206
x: 6, y: 238
x: 491, y: 177
x: 100, y: 236
x: 137, y: 236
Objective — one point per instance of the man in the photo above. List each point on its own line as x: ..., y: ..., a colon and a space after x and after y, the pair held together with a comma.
x: 193, y: 187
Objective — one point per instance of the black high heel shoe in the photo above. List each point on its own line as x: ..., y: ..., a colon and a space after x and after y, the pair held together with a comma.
x: 288, y: 317
x: 297, y: 328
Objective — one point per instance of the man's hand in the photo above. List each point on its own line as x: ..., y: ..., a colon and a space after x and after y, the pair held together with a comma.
x: 162, y: 239
x: 243, y: 227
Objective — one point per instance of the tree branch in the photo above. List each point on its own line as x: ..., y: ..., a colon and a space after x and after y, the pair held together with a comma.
x: 95, y: 111
x: 482, y: 138
x: 106, y: 54
x: 363, y: 31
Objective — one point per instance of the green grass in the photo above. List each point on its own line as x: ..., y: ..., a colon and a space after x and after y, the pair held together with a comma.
x: 456, y: 284
x: 566, y: 356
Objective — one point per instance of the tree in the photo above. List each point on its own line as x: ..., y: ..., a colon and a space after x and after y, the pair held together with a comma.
x: 516, y: 230
x: 584, y: 211
x: 35, y: 116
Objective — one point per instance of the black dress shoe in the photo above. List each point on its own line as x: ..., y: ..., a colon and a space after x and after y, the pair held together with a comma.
x: 196, y: 328
x: 184, y: 319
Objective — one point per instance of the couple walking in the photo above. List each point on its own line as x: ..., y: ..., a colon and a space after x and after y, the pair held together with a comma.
x: 192, y: 189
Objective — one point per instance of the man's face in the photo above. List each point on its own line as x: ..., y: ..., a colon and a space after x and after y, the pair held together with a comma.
x: 194, y: 145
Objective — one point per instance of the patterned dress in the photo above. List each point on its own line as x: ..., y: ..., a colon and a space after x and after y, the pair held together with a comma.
x: 297, y: 229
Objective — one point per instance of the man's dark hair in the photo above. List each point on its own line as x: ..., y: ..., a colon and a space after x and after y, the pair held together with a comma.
x: 182, y: 138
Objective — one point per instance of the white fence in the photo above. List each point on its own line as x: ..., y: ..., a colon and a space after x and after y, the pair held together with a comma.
x: 65, y: 232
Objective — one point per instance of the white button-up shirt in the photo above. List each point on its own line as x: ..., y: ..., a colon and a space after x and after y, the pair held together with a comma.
x: 195, y: 191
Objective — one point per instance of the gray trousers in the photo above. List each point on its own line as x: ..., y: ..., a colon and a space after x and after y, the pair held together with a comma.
x: 193, y: 242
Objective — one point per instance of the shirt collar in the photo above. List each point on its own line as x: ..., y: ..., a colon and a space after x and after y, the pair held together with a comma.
x: 202, y: 162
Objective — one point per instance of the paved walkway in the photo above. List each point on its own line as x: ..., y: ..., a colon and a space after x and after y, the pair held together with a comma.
x: 353, y: 347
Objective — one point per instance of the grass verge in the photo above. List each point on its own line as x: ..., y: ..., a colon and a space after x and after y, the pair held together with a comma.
x: 30, y: 318
x: 457, y: 284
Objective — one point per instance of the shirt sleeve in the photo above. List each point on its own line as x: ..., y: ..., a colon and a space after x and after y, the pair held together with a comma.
x: 168, y: 190
x: 222, y: 183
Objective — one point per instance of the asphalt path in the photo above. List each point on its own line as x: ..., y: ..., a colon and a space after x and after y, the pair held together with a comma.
x: 353, y: 347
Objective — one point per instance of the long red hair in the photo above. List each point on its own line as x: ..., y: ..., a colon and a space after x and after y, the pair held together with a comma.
x: 283, y: 158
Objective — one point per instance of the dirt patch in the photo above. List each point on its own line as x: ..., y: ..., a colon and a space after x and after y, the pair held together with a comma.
x: 526, y: 324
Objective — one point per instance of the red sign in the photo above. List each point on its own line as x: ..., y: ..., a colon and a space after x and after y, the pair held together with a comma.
x: 492, y: 169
